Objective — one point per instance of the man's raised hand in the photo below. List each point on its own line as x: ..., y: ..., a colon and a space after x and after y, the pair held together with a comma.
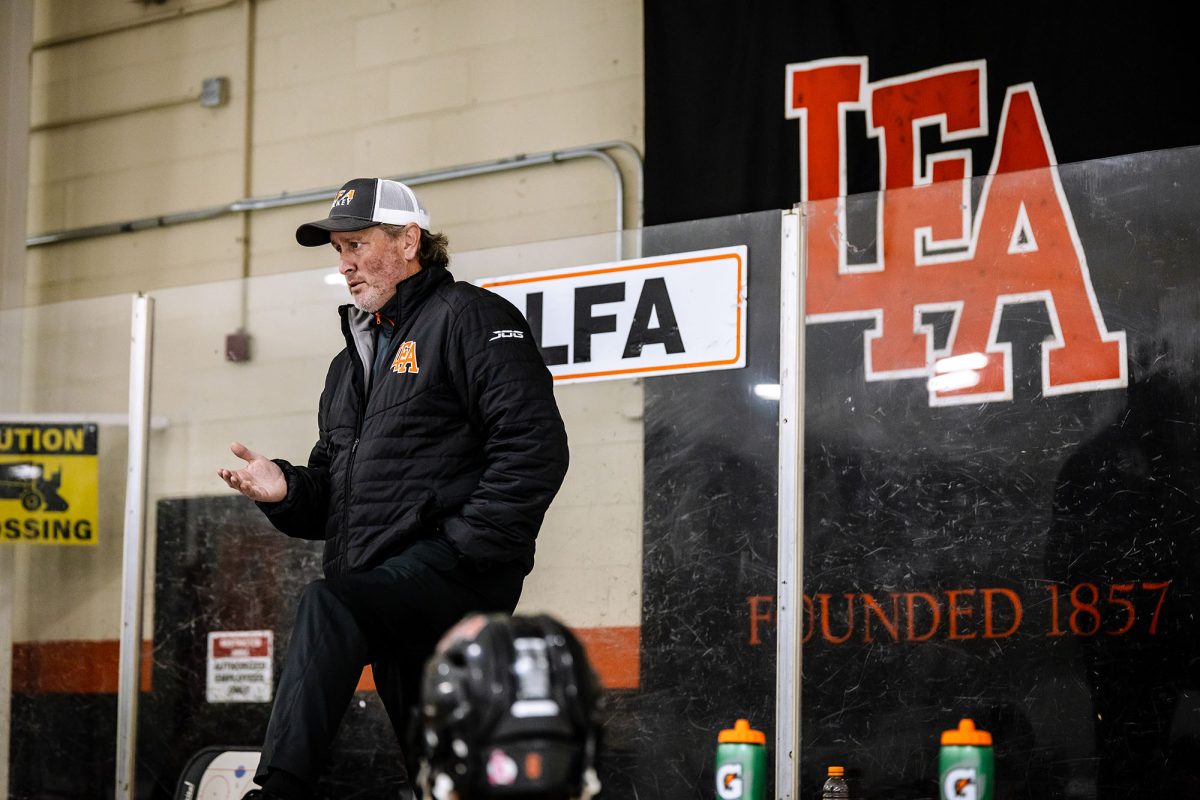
x: 261, y: 479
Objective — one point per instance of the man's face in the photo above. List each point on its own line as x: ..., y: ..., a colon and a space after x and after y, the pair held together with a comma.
x: 372, y: 262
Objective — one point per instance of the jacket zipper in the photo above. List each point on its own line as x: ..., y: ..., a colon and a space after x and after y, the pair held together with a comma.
x: 345, y: 549
x: 344, y: 554
x: 397, y: 338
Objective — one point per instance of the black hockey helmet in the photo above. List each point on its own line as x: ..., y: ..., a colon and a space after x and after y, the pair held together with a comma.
x: 508, y: 708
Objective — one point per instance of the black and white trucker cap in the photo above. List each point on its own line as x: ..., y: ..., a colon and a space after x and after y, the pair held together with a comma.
x: 364, y: 203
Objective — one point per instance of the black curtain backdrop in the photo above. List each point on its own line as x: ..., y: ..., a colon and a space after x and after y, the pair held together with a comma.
x: 1112, y: 79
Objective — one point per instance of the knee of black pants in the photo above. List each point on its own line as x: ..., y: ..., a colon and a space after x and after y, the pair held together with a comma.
x: 316, y: 598
x: 499, y: 587
x: 321, y: 605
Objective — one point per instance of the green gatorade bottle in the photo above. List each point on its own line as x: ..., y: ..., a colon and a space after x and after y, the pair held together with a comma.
x: 965, y: 765
x: 741, y: 763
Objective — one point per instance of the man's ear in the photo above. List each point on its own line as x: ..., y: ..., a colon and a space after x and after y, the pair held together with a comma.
x: 412, y: 242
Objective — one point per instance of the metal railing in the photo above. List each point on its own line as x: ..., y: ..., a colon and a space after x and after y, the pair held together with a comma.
x: 595, y: 151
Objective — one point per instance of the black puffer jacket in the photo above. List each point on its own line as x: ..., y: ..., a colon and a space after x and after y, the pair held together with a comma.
x: 469, y: 444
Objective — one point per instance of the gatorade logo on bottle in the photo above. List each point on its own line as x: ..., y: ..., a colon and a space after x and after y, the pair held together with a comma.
x: 960, y: 784
x: 729, y: 781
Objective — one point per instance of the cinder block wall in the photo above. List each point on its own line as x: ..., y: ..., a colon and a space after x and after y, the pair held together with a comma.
x: 319, y: 92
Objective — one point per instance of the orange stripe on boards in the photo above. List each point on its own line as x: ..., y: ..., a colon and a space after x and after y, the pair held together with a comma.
x: 366, y: 683
x: 73, y: 667
x: 93, y: 667
x: 614, y: 653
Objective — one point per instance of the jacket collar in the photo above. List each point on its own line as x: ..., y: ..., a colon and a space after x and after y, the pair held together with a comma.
x: 410, y: 295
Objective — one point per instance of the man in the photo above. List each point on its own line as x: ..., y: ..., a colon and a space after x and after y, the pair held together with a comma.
x: 508, y: 709
x: 440, y: 449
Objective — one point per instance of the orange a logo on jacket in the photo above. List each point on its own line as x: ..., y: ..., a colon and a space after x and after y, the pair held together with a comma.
x: 938, y: 253
x: 406, y: 358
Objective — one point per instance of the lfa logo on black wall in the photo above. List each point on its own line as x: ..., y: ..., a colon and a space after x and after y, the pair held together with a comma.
x: 937, y: 255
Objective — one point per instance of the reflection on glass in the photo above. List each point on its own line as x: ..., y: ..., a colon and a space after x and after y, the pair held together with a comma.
x: 767, y: 391
x: 957, y: 372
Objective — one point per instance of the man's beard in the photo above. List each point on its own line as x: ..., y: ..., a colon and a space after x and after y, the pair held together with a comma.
x: 370, y: 301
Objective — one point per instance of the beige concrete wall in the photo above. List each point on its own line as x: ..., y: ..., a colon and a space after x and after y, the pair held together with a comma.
x: 336, y: 90
x: 320, y: 92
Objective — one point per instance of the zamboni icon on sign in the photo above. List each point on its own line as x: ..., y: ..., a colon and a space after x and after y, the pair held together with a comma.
x: 25, y: 481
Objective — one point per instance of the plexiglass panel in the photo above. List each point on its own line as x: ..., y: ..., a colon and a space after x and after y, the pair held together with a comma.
x: 632, y: 490
x: 710, y: 543
x: 220, y: 568
x: 1001, y: 480
x: 63, y: 452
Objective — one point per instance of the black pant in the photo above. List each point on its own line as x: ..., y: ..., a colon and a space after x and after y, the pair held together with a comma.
x: 391, y: 617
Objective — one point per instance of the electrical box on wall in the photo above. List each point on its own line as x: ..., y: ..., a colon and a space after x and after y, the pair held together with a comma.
x: 214, y: 92
x: 237, y: 347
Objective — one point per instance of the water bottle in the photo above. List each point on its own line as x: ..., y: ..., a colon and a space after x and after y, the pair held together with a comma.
x: 835, y: 787
x: 741, y: 763
x: 965, y: 764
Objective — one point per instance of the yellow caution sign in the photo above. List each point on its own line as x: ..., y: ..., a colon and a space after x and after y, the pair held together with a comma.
x: 48, y: 484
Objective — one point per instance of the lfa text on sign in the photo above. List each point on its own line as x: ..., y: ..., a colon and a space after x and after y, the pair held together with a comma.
x: 653, y: 321
x: 683, y: 312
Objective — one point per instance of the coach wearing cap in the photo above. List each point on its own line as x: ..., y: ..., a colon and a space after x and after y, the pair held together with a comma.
x: 440, y: 447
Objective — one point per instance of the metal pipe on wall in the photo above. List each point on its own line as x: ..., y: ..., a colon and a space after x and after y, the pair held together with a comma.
x: 154, y: 105
x: 251, y: 27
x: 596, y: 151
x: 130, y: 24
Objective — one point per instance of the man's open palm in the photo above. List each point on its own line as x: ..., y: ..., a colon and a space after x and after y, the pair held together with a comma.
x: 261, y: 479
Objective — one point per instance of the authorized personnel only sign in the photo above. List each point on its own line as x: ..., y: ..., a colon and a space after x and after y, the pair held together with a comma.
x: 239, y: 666
x: 650, y: 316
x: 48, y: 484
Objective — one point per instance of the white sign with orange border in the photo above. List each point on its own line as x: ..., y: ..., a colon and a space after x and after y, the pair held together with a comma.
x: 684, y: 312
